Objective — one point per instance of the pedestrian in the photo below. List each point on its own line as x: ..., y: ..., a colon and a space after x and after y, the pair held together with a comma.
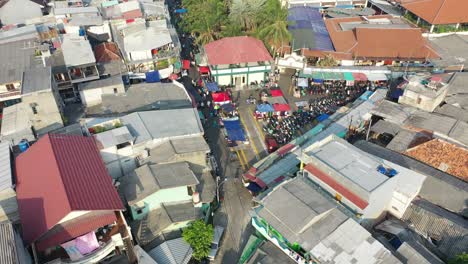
x: 208, y: 103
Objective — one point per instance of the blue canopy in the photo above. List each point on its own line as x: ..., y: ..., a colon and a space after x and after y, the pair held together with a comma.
x: 234, y: 130
x: 322, y: 117
x: 182, y: 10
x: 265, y: 108
x: 227, y: 107
x: 152, y: 77
x: 212, y: 86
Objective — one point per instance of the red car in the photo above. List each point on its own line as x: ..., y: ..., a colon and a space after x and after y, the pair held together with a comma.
x: 271, y: 144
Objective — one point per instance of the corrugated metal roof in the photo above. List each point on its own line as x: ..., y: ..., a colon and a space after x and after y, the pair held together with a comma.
x: 175, y: 251
x: 148, y: 179
x: 6, y: 179
x: 60, y: 174
x: 8, y: 251
x: 448, y: 230
x: 163, y: 124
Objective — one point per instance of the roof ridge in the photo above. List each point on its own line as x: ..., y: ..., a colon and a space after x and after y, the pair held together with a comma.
x: 438, y: 11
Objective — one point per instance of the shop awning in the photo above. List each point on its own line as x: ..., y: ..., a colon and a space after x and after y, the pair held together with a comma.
x: 276, y: 93
x: 281, y: 107
x: 221, y: 97
x: 359, y: 76
x: 212, y: 86
x: 186, y: 64
x: 348, y: 76
x: 204, y: 69
x: 305, y: 75
x: 376, y: 77
x: 265, y: 108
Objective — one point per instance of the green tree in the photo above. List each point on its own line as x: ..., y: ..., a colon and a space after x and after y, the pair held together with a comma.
x: 244, y: 13
x: 204, y: 19
x: 459, y: 259
x: 273, y: 29
x: 199, y: 236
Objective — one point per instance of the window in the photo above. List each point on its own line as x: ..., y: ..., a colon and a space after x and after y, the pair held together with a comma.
x: 10, y: 87
x: 243, y: 79
x: 189, y: 190
x: 139, y: 211
x: 418, y: 101
x: 115, y: 90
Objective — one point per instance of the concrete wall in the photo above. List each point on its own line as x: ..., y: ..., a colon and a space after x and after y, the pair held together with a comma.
x: 119, y: 162
x: 422, y: 102
x: 90, y: 97
x: 154, y: 201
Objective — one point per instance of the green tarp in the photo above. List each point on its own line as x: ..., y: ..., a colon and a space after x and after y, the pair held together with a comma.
x: 348, y: 76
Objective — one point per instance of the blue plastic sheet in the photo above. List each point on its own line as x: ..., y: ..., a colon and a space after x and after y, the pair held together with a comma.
x: 322, y: 117
x: 234, y: 130
x: 152, y: 77
x: 396, y: 93
x: 212, y: 86
x: 265, y: 108
x: 180, y: 11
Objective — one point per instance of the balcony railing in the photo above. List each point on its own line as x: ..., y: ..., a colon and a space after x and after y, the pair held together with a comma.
x: 12, y: 93
x: 93, y: 257
x: 81, y: 74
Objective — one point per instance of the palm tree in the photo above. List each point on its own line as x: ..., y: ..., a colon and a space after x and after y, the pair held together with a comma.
x: 244, y: 13
x: 274, y: 31
x: 205, y: 35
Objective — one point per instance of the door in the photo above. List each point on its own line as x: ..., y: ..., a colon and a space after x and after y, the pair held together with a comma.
x: 238, y: 81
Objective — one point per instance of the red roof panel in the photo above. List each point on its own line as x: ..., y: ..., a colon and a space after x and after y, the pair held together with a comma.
x: 57, y: 175
x: 235, y: 50
x: 106, y: 52
x: 75, y: 228
x: 359, y: 202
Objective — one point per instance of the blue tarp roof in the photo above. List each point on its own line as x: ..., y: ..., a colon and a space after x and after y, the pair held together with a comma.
x: 152, y: 77
x: 265, y: 108
x: 308, y: 29
x: 212, y: 86
x: 234, y: 130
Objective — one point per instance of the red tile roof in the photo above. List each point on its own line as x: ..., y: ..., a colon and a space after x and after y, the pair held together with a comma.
x: 438, y: 12
x: 342, y: 190
x: 236, y: 50
x: 132, y: 14
x: 443, y: 156
x: 57, y: 175
x: 75, y: 228
x: 106, y: 52
x: 379, y: 43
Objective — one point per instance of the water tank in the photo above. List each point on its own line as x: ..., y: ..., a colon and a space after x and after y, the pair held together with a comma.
x: 23, y: 145
x: 196, y: 197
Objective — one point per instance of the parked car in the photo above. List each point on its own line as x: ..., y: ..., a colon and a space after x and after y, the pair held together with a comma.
x: 218, y: 234
x: 271, y: 144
